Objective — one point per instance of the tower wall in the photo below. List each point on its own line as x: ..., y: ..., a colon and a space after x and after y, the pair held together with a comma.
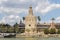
x: 30, y: 22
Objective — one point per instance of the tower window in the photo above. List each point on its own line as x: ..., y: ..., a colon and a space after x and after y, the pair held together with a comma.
x: 29, y: 25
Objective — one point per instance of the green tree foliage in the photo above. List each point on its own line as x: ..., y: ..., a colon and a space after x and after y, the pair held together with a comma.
x: 4, y: 27
x: 39, y: 18
x: 8, y: 26
x: 52, y: 31
x: 53, y: 19
x: 46, y: 31
x: 23, y: 18
x: 58, y: 32
x: 16, y: 27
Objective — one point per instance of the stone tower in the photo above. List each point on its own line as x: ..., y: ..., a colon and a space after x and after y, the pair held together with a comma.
x: 52, y: 26
x: 30, y: 22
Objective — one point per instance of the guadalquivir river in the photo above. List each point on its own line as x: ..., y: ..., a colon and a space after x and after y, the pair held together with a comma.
x: 50, y: 38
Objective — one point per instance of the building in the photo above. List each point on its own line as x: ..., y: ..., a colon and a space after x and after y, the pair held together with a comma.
x: 31, y: 25
x: 30, y: 22
x: 21, y: 27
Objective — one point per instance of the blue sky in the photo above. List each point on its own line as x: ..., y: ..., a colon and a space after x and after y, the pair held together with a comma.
x: 12, y: 11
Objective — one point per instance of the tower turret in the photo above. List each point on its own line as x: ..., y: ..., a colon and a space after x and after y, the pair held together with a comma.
x: 30, y: 10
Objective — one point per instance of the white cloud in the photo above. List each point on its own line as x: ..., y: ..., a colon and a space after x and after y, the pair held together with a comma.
x: 24, y: 0
x: 27, y: 1
x: 41, y: 6
x: 12, y: 10
x: 11, y: 19
x: 13, y: 7
x: 57, y: 20
x: 2, y: 1
x: 46, y: 6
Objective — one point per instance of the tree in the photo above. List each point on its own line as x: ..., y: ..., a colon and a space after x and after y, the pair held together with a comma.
x: 3, y: 28
x: 8, y: 26
x: 52, y: 31
x: 39, y: 18
x: 16, y: 27
x: 46, y: 31
x: 53, y: 19
x: 58, y: 32
x: 23, y: 18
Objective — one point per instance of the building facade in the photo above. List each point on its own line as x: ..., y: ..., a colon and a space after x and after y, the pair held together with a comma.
x: 30, y: 22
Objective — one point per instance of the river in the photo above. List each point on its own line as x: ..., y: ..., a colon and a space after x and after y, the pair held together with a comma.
x: 50, y: 38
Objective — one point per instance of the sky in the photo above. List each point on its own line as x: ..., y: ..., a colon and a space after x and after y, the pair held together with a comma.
x: 12, y: 11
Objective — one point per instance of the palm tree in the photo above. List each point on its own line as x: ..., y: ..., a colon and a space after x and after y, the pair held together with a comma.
x: 23, y: 18
x: 39, y: 19
x: 53, y: 19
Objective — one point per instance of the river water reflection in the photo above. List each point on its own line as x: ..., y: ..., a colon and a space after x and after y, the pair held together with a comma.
x: 51, y: 38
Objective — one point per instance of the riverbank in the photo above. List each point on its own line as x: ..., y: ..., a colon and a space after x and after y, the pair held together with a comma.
x: 44, y: 35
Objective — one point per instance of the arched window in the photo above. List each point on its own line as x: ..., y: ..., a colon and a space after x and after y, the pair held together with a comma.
x: 29, y: 24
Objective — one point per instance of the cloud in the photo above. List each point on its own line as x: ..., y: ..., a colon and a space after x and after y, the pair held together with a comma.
x: 3, y: 1
x: 11, y: 19
x: 12, y: 10
x: 46, y: 6
x: 19, y: 6
x: 14, y: 7
x: 57, y: 20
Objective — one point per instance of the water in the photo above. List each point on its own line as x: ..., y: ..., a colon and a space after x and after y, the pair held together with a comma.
x: 51, y: 38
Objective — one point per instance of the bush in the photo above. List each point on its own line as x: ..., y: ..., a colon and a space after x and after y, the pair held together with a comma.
x: 46, y: 31
x: 52, y: 31
x: 58, y: 32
